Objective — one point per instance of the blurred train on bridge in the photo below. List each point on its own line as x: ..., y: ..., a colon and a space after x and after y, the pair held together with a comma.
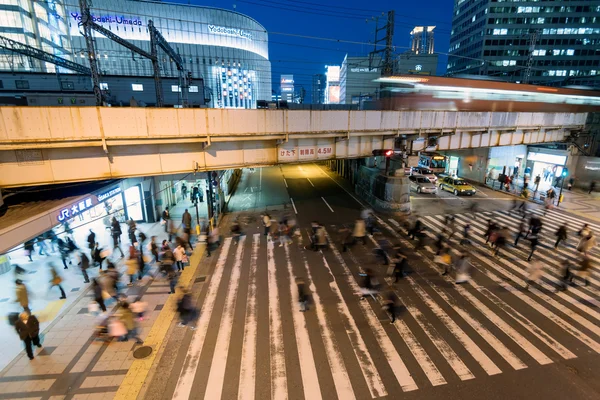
x: 414, y: 92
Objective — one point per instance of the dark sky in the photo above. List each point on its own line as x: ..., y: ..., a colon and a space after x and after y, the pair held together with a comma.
x: 338, y: 20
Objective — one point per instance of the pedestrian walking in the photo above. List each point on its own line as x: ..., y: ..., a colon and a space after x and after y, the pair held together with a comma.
x: 561, y: 235
x: 534, y: 273
x: 466, y: 240
x: 500, y: 242
x: 360, y: 231
x: 132, y: 264
x: 183, y: 191
x: 166, y: 216
x: 185, y: 308
x: 444, y: 259
x: 56, y: 280
x: 115, y: 232
x: 584, y: 271
x: 536, y: 182
x: 22, y: 295
x: 463, y: 269
x: 29, y: 249
x: 98, y: 295
x: 28, y: 329
x: 178, y: 253
x: 84, y: 264
x: 390, y: 306
x: 266, y: 220
x: 41, y: 242
x: 186, y: 222
x: 587, y: 242
x: 491, y: 229
x: 534, y: 241
x: 138, y: 307
x: 126, y: 317
x: 153, y: 247
x: 98, y: 255
x: 521, y: 231
x: 131, y: 228
x: 236, y: 231
x: 400, y: 265
x: 571, y: 182
x: 91, y: 241
x: 173, y: 278
x: 302, y: 297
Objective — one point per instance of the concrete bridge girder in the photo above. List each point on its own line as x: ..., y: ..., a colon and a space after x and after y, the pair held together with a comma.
x: 64, y: 144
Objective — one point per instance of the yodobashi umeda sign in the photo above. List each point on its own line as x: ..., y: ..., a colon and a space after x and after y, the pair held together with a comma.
x: 222, y: 30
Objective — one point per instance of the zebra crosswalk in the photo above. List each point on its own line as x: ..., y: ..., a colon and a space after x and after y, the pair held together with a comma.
x: 252, y: 341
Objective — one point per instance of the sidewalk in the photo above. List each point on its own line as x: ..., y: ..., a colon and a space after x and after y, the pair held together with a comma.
x: 574, y: 201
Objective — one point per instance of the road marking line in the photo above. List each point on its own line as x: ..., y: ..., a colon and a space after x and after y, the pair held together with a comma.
x: 138, y: 372
x: 308, y: 369
x: 216, y: 377
x: 285, y: 181
x: 309, y: 181
x: 279, y: 388
x: 365, y: 361
x: 327, y: 204
x: 394, y: 360
x: 343, y: 188
x: 247, y: 386
x: 192, y: 359
x: 523, y: 321
x: 341, y: 380
x: 294, y: 205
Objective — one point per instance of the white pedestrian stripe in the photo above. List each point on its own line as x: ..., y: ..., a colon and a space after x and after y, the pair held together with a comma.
x: 247, y: 386
x: 310, y: 380
x: 365, y: 361
x: 190, y: 366
x: 400, y: 371
x: 216, y: 378
x: 278, y: 370
x: 341, y: 380
x: 326, y: 203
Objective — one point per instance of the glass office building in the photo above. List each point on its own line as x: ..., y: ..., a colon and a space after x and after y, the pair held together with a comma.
x: 497, y: 37
x: 225, y: 48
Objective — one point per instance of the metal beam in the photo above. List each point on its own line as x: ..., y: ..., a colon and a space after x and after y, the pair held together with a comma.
x: 162, y: 42
x: 29, y: 51
x: 86, y: 21
x: 121, y: 41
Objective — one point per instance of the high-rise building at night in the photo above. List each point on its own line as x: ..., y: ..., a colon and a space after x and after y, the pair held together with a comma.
x: 286, y: 87
x: 319, y: 83
x: 550, y: 43
x: 332, y: 89
x: 357, y: 77
x: 421, y: 40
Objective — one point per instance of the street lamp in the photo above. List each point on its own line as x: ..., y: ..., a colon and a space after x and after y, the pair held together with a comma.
x: 564, y: 174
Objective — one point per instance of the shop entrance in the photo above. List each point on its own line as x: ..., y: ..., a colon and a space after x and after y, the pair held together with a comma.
x: 548, y: 166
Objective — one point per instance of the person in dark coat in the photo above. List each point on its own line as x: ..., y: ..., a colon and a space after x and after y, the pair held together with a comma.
x: 28, y: 246
x: 592, y: 187
x: 187, y: 312
x: 166, y: 216
x: 561, y: 234
x: 115, y: 232
x: 91, y: 240
x: 28, y: 328
x: 98, y: 294
x: 63, y: 249
x: 97, y: 255
x: 84, y: 264
x: 302, y: 297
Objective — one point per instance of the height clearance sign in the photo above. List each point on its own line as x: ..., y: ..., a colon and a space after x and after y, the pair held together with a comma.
x: 287, y: 154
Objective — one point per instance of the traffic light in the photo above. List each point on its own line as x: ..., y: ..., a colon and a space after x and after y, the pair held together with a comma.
x: 565, y: 172
x: 383, y: 152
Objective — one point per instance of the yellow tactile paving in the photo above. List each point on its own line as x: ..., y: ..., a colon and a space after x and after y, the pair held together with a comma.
x: 137, y: 373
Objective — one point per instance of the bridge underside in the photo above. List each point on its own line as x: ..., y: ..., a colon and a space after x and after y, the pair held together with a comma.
x: 48, y: 146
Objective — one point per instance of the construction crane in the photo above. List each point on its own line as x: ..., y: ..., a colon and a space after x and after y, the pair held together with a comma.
x: 156, y: 40
x: 26, y: 50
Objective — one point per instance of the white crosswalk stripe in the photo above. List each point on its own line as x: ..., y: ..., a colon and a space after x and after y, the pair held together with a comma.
x: 448, y: 333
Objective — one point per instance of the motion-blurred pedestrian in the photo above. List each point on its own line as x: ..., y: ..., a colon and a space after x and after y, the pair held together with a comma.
x: 127, y: 318
x: 561, y: 234
x: 28, y: 328
x: 534, y: 273
x: 84, y: 264
x: 178, y: 253
x: 98, y: 295
x: 185, y: 308
x: 56, y: 280
x: 302, y: 297
x: 463, y: 268
x: 22, y: 295
x: 29, y: 249
x: 115, y: 232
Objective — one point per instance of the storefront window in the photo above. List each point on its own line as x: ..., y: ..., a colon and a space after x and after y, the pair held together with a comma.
x: 133, y: 199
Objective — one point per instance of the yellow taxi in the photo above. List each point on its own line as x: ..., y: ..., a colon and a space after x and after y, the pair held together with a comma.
x: 456, y: 185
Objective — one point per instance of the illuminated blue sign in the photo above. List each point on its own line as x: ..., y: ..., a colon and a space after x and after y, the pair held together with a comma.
x: 75, y: 209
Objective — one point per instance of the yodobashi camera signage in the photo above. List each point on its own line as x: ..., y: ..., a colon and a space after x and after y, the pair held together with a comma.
x: 221, y: 30
x: 110, y: 19
x: 126, y: 26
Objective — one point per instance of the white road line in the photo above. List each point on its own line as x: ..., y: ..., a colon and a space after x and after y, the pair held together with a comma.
x: 309, y: 181
x: 216, y: 377
x: 398, y: 367
x: 247, y: 386
x: 496, y: 344
x: 327, y: 204
x: 538, y: 307
x: 285, y: 181
x: 308, y: 369
x: 486, y: 363
x: 279, y: 388
x: 190, y: 365
x: 294, y: 205
x: 341, y: 380
x: 363, y: 356
x: 514, y: 314
x: 343, y: 188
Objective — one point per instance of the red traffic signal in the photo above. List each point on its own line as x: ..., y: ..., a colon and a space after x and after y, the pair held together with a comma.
x: 383, y: 152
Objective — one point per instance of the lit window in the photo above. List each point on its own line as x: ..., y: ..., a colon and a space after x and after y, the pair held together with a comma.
x: 175, y: 88
x: 473, y: 19
x: 593, y: 72
x: 573, y: 72
x: 555, y: 52
x: 513, y: 62
x: 542, y: 52
x: 551, y: 73
x: 193, y: 89
x: 103, y: 86
x: 541, y: 20
x: 570, y: 52
x: 137, y: 87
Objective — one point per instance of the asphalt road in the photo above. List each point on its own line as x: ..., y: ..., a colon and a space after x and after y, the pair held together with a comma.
x: 489, y: 338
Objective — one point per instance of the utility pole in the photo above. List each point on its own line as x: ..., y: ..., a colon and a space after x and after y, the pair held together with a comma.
x: 388, y: 63
x: 533, y: 38
x: 86, y: 21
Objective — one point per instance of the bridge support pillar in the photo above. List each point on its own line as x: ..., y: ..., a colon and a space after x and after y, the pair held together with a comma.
x: 383, y: 193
